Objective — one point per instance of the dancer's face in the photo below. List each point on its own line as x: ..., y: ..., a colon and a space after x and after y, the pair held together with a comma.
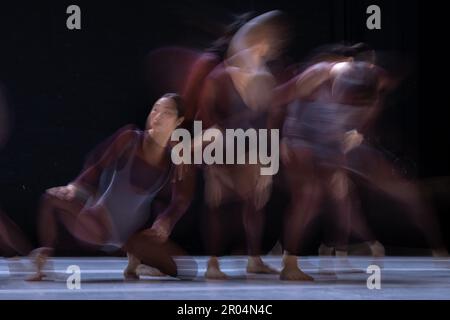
x: 164, y: 116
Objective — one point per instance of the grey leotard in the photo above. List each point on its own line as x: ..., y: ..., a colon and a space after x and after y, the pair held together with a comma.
x: 128, y: 205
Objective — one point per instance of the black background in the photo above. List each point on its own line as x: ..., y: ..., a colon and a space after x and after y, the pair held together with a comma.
x: 68, y: 90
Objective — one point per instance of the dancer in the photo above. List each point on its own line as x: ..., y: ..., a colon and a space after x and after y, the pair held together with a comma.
x: 13, y: 242
x: 237, y: 94
x: 108, y: 205
x: 206, y: 63
x: 336, y: 103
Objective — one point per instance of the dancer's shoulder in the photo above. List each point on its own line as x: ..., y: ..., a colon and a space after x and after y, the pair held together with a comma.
x: 127, y: 134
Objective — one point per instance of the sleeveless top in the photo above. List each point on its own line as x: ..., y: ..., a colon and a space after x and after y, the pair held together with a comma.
x: 128, y: 206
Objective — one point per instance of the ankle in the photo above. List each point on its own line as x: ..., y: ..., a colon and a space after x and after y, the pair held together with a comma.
x: 290, y: 261
x: 213, y: 262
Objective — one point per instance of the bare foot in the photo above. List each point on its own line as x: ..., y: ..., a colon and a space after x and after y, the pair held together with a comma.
x: 293, y: 273
x: 130, y: 271
x: 144, y: 270
x: 213, y: 271
x: 129, y: 274
x: 377, y: 249
x: 39, y: 258
x: 256, y: 265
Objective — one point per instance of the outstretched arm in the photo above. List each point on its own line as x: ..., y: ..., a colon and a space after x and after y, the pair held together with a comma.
x: 182, y: 195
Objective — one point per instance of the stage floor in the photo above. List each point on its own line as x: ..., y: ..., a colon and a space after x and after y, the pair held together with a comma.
x: 101, y: 278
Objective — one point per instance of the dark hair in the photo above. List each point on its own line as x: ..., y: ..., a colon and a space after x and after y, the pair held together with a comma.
x: 220, y: 46
x: 179, y: 104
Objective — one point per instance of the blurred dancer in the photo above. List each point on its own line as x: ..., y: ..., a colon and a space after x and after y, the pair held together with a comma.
x: 320, y: 129
x: 237, y: 94
x: 191, y: 88
x: 205, y: 63
x: 336, y: 102
x: 108, y: 205
x: 337, y: 53
x: 12, y: 239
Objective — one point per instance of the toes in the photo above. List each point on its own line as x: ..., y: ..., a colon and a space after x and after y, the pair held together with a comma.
x: 297, y: 275
x: 130, y: 276
x: 216, y: 275
x: 144, y: 270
